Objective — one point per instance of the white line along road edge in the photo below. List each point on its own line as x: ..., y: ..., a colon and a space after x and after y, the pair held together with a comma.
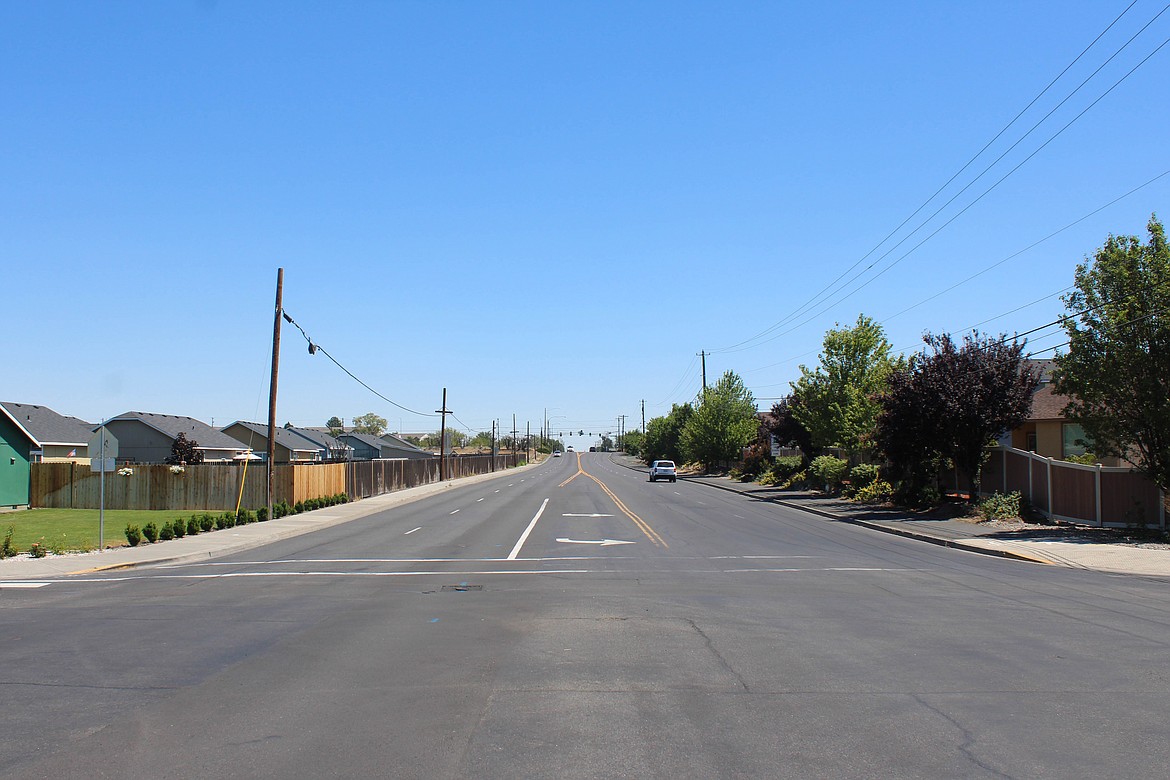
x: 524, y: 536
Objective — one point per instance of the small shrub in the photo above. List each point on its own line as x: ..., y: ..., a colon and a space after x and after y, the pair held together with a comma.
x: 150, y: 531
x: 863, y: 475
x: 166, y: 533
x: 206, y: 522
x: 245, y: 517
x: 797, y: 481
x: 38, y: 550
x: 262, y: 514
x: 133, y: 535
x: 925, y: 497
x: 343, y: 498
x: 877, y: 492
x: 8, y: 549
x: 1084, y: 459
x: 179, y: 527
x: 1000, y: 506
x: 193, y: 526
x: 829, y: 471
x: 298, y: 507
x: 226, y: 520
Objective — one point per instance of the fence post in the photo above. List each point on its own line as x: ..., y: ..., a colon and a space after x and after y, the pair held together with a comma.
x: 1031, y: 489
x: 1097, y: 488
x: 1162, y: 509
x: 1051, y: 509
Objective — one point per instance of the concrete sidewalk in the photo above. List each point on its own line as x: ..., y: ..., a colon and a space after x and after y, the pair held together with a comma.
x: 230, y: 540
x: 1055, y: 548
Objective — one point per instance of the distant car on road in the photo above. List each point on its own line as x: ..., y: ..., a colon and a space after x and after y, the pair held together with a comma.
x: 556, y: 453
x: 662, y: 469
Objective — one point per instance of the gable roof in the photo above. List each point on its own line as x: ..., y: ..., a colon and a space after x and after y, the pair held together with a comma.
x: 1046, y: 403
x: 320, y: 438
x: 284, y: 438
x: 44, y: 426
x: 370, y: 441
x: 400, y: 444
x: 204, y: 436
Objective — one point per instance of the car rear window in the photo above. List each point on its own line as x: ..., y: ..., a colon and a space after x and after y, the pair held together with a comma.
x: 666, y: 464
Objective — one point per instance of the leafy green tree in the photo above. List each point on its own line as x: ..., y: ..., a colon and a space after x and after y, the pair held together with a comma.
x: 1117, y: 370
x: 369, y: 423
x: 954, y: 403
x: 633, y: 442
x: 722, y: 425
x: 481, y: 440
x: 336, y: 426
x: 839, y: 405
x: 662, y: 435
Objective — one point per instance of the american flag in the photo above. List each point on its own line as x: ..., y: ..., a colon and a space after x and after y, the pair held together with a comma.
x: 72, y: 453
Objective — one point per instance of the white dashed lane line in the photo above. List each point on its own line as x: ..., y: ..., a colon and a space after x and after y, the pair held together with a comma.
x: 408, y: 533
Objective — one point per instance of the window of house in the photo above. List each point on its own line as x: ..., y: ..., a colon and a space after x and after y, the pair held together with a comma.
x: 1030, y: 443
x: 1074, y: 441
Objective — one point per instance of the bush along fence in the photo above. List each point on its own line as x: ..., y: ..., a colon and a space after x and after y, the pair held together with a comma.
x: 203, y: 523
x: 1098, y: 495
x: 218, y: 487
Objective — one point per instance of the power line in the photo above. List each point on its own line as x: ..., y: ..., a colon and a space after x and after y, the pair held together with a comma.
x: 1030, y: 247
x: 314, y: 348
x: 822, y: 293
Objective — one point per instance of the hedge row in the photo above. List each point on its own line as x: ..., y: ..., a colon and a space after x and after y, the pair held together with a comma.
x: 202, y: 523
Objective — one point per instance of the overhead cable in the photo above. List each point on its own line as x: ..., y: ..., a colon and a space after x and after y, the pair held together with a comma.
x: 314, y: 348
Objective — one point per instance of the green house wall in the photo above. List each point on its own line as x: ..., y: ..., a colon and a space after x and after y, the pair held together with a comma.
x: 14, y: 464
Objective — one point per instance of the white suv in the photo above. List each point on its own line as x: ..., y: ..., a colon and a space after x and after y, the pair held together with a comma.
x: 662, y: 469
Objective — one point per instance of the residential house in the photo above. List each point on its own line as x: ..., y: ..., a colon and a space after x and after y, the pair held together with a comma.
x: 1047, y: 431
x: 144, y: 437
x: 290, y: 448
x: 367, y: 447
x: 31, y: 433
x: 403, y: 447
x: 326, y: 446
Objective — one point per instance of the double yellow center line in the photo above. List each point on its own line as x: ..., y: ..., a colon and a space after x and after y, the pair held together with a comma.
x: 645, y: 528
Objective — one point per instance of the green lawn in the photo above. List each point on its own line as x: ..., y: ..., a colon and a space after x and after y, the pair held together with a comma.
x: 77, y: 529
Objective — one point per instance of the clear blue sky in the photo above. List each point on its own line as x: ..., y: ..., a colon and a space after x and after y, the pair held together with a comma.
x: 538, y: 205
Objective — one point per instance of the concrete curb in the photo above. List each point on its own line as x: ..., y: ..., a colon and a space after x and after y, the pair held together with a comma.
x: 920, y: 536
x: 254, y: 535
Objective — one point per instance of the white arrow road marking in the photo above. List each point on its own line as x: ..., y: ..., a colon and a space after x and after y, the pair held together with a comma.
x: 574, y: 514
x: 602, y: 542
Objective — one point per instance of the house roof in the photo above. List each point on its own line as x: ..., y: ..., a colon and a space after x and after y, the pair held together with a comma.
x: 44, y: 426
x: 1046, y: 403
x: 284, y: 438
x: 203, y: 435
x: 398, y: 443
x: 366, y: 439
x: 319, y: 437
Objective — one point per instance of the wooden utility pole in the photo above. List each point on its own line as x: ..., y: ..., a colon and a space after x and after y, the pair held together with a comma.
x: 272, y: 385
x: 443, y: 437
x: 643, y: 416
x: 703, y: 359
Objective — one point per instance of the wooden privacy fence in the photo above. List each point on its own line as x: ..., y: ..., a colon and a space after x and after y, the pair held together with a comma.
x: 1093, y: 495
x: 217, y: 486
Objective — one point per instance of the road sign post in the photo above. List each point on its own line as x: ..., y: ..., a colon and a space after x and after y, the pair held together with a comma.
x: 105, y: 444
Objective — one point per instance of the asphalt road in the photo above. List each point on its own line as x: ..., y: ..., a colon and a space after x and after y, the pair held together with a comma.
x: 575, y: 620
